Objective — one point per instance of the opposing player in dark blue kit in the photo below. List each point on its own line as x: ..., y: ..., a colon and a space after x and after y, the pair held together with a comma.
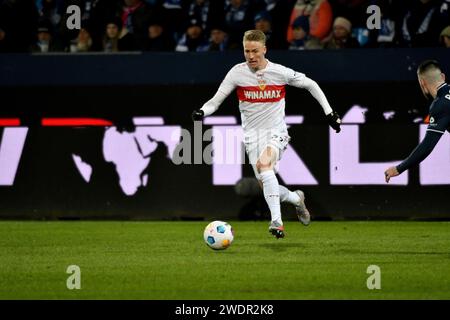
x: 432, y: 82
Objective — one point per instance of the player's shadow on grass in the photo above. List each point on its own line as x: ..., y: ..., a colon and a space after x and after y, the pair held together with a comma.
x: 280, y: 245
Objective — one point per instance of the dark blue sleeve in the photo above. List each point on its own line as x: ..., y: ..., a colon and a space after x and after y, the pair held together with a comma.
x: 422, y: 151
x: 439, y: 122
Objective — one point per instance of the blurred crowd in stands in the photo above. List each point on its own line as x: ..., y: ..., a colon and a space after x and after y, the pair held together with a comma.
x: 218, y: 25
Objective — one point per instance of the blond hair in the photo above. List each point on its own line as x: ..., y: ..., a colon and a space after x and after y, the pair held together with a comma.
x: 255, y: 35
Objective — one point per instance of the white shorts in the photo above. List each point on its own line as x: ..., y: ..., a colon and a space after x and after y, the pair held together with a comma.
x: 256, y: 146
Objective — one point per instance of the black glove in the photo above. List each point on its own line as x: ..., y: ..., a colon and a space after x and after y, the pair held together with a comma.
x: 197, y: 115
x: 334, y: 121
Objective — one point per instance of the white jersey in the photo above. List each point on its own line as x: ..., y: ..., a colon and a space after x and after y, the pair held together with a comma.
x: 261, y: 102
x: 261, y: 95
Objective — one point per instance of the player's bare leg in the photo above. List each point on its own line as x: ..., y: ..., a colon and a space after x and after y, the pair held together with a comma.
x: 265, y: 165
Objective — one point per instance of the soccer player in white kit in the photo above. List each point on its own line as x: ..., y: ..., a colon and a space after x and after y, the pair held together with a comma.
x: 260, y: 86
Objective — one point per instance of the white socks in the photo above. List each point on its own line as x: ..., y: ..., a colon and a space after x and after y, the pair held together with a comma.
x: 274, y: 193
x: 271, y: 190
x: 288, y: 196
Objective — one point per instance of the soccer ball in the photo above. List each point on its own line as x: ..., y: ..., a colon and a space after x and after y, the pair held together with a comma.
x: 218, y: 235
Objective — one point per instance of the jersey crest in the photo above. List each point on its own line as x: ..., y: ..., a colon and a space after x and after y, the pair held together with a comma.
x: 261, y: 82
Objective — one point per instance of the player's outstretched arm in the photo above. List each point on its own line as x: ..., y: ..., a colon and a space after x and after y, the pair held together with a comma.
x: 209, y: 107
x: 420, y: 153
x: 212, y: 105
x: 332, y: 117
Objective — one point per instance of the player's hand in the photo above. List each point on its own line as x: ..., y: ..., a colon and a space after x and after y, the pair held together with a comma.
x: 391, y: 172
x: 197, y: 115
x: 334, y: 121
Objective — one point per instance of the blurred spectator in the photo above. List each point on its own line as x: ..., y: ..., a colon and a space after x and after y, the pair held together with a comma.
x: 113, y: 40
x: 320, y: 17
x: 391, y: 14
x: 51, y: 10
x: 355, y: 10
x: 341, y: 36
x: 192, y: 39
x: 238, y: 19
x: 94, y: 12
x: 362, y: 36
x: 83, y: 42
x: 2, y: 40
x: 280, y: 12
x: 158, y: 39
x: 387, y: 32
x: 445, y: 37
x: 208, y: 12
x: 422, y: 23
x: 136, y: 16
x: 199, y: 10
x: 300, y: 33
x: 18, y: 20
x: 413, y: 23
x: 302, y: 39
x: 263, y: 22
x: 176, y: 17
x: 102, y: 12
x: 44, y: 38
x: 218, y: 40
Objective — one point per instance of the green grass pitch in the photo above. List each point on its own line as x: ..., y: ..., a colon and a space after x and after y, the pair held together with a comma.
x: 169, y: 260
